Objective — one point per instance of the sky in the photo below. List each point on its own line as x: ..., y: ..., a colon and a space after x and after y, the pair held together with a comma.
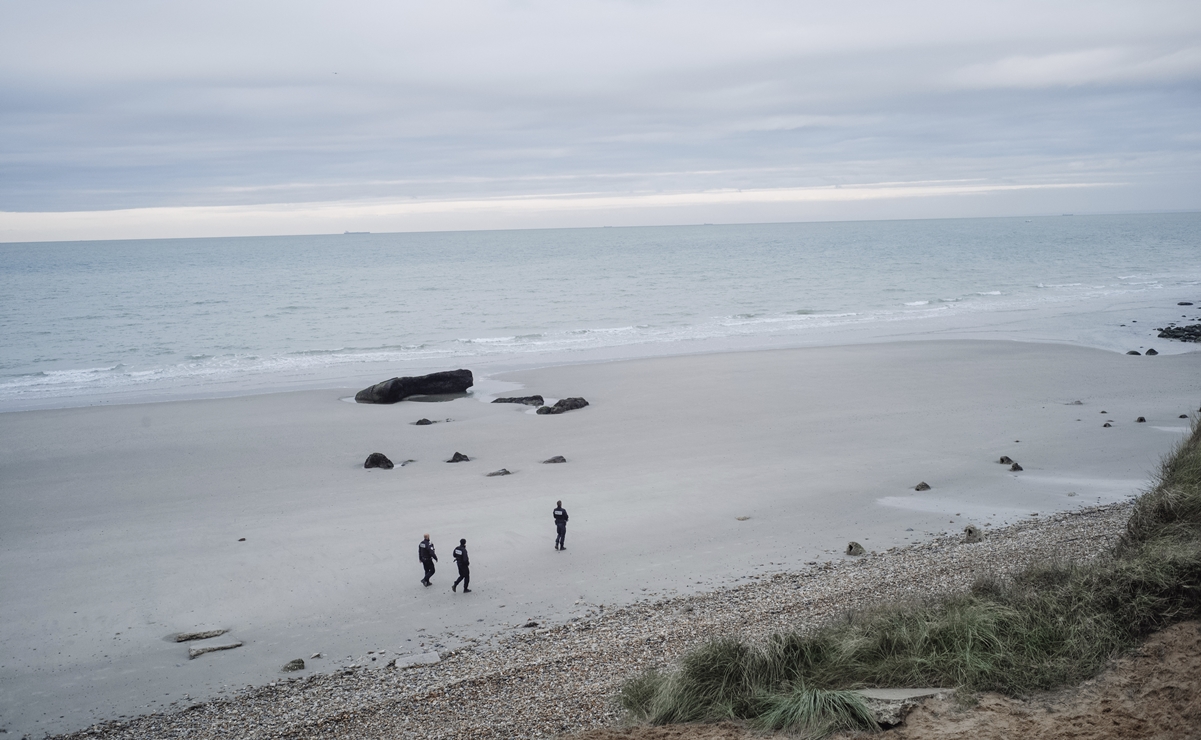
x: 131, y: 119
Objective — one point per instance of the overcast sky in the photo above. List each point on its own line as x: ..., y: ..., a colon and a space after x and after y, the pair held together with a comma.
x: 160, y: 118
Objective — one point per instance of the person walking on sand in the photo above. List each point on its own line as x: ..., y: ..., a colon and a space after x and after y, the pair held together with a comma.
x: 427, y: 556
x: 460, y: 555
x: 560, y: 525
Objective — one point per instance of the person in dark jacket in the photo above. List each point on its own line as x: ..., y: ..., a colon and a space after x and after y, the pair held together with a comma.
x: 560, y: 525
x: 427, y: 556
x: 464, y: 562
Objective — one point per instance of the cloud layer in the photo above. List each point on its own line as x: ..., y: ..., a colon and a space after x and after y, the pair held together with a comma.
x: 661, y: 109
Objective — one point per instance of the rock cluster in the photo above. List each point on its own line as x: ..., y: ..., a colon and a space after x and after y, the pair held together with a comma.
x: 1190, y: 333
x: 555, y: 680
x: 563, y: 405
x: 526, y: 400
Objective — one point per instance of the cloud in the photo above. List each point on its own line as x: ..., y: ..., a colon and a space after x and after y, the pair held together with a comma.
x: 1087, y: 67
x: 135, y: 104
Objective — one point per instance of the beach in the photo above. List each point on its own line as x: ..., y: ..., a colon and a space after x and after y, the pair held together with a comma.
x: 123, y: 525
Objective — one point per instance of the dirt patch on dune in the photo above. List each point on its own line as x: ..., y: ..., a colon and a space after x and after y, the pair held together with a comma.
x: 1153, y: 692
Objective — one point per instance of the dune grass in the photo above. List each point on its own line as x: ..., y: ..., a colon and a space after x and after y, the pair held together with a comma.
x: 1051, y: 625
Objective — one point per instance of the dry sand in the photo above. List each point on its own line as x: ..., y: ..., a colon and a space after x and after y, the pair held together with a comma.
x: 120, y: 526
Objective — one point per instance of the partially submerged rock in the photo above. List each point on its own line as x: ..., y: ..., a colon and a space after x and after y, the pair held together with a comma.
x: 294, y: 665
x: 1016, y: 468
x: 1141, y: 420
x: 1134, y: 352
x: 1151, y: 352
x: 563, y: 405
x: 378, y: 460
x: 459, y: 457
x: 854, y: 548
x: 1007, y: 460
x: 526, y: 400
x: 434, y: 384
x: 561, y: 459
x: 923, y: 486
x: 502, y: 471
x: 422, y: 422
x: 204, y: 635
x: 197, y: 652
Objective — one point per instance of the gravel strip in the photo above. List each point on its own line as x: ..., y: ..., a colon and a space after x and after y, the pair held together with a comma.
x: 549, y: 682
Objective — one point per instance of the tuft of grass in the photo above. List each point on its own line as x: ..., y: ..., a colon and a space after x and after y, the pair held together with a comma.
x: 814, y: 713
x: 1051, y: 625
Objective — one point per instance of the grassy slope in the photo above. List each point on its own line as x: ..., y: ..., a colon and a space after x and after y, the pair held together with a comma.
x: 1052, y: 625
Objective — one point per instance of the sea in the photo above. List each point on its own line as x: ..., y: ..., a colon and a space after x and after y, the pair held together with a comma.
x: 86, y: 323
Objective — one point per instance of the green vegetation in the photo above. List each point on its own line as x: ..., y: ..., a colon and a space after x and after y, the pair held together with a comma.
x: 1051, y: 625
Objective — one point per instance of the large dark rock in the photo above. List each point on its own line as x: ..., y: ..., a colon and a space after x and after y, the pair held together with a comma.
x: 1134, y: 352
x: 923, y: 486
x: 398, y: 389
x: 562, y: 405
x: 378, y: 460
x: 1151, y: 352
x: 527, y: 400
x: 294, y: 665
x: 459, y: 457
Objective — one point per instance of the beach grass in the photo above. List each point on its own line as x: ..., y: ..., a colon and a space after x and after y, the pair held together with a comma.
x: 1051, y: 625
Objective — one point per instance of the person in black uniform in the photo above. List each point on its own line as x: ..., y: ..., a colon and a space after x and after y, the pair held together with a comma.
x: 560, y: 525
x: 460, y: 554
x: 427, y: 556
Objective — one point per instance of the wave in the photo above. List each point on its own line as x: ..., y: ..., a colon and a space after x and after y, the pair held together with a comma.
x: 918, y: 303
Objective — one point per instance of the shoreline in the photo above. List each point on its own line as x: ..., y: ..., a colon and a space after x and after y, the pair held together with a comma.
x: 1103, y: 324
x: 562, y: 680
x: 131, y: 514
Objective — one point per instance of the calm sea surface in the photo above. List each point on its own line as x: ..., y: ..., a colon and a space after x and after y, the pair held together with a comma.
x: 119, y: 321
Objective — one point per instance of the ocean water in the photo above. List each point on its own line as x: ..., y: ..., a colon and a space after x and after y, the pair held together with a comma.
x: 127, y: 321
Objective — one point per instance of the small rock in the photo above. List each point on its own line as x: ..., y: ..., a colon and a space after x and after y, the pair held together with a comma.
x: 1076, y: 403
x: 555, y: 459
x: 531, y: 623
x: 1015, y: 468
x: 1071, y: 493
x: 422, y: 422
x: 1184, y: 416
x: 1185, y: 303
x: 972, y: 535
x: 1107, y: 425
x: 197, y: 652
x: 1006, y: 460
x: 856, y: 549
x: 742, y: 518
x: 1134, y: 352
x: 923, y: 486
x: 189, y: 636
x: 526, y: 400
x: 314, y: 656
x: 563, y: 405
x: 241, y: 539
x: 459, y: 457
x: 1140, y: 420
x: 294, y: 665
x: 502, y: 471
x: 1152, y: 351
x: 378, y: 460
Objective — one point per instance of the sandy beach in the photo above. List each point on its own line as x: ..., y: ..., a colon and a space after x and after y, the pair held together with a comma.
x: 121, y: 526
